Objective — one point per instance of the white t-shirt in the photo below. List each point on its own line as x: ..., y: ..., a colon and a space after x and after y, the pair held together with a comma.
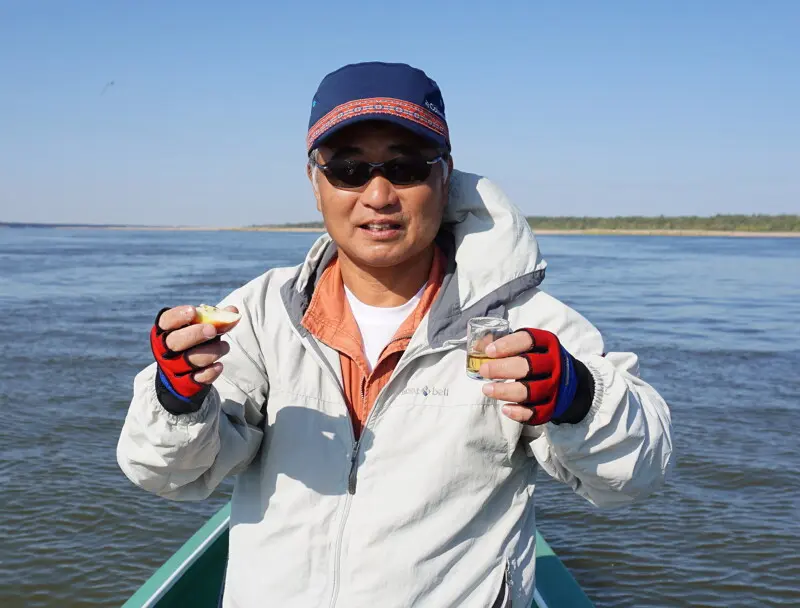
x: 378, y: 325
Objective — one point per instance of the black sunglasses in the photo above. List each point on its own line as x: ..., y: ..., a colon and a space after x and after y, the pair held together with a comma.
x: 401, y: 171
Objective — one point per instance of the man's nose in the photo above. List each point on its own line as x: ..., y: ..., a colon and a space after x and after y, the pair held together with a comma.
x: 379, y: 193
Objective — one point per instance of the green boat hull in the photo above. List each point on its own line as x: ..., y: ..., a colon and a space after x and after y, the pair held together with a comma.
x: 193, y: 575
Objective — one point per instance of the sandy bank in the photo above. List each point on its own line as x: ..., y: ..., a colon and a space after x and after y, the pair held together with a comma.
x: 706, y: 233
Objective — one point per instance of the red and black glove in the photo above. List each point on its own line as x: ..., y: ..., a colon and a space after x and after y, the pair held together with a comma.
x: 176, y: 389
x: 560, y: 388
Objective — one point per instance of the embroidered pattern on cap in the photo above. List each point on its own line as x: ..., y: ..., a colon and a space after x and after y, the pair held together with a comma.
x: 377, y: 105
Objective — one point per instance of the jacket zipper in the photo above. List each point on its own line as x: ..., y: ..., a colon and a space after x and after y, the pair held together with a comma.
x: 352, y: 478
x: 337, y: 558
x: 351, y: 489
x: 508, y: 585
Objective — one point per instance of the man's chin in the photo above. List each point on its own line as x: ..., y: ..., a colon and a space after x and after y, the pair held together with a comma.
x: 380, y: 261
x: 381, y: 256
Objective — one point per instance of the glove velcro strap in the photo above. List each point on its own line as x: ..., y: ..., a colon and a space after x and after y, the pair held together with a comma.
x: 568, y: 384
x: 584, y: 395
x: 174, y: 402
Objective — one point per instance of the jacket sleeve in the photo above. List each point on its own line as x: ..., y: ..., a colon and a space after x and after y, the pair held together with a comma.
x: 185, y: 457
x: 622, y: 450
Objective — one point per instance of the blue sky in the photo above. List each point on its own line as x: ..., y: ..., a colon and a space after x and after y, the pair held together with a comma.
x: 574, y: 108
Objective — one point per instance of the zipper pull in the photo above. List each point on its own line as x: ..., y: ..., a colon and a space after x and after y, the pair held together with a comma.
x: 351, y: 479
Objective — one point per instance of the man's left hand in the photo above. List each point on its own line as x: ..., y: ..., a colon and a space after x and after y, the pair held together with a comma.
x: 551, y: 385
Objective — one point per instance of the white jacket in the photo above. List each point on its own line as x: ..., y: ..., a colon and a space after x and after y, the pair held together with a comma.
x: 433, y: 507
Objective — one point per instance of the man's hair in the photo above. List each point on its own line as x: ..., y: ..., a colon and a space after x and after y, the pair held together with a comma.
x: 313, y: 159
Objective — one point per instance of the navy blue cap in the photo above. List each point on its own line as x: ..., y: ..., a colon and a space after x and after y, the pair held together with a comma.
x: 394, y: 92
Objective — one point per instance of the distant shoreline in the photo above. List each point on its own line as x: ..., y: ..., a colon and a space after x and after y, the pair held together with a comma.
x: 589, y: 231
x: 320, y: 230
x: 624, y: 232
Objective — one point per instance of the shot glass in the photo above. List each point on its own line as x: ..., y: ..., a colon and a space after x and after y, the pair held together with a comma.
x: 482, y: 331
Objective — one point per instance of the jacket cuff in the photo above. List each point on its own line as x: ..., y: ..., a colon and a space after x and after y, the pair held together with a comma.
x: 584, y: 396
x: 175, y: 404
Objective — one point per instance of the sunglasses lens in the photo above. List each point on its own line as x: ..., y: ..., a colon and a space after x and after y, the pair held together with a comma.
x: 405, y: 171
x: 347, y: 173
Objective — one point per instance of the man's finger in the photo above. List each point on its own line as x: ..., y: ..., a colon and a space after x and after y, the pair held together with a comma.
x: 209, y: 374
x: 506, y: 391
x: 511, y: 345
x: 508, y: 368
x: 204, y: 355
x: 177, y: 317
x: 187, y: 337
x: 518, y: 412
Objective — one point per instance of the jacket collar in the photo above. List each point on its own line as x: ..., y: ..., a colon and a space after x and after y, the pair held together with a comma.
x: 492, y: 254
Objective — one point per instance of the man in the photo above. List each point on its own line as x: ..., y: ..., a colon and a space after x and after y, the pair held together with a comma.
x: 370, y: 469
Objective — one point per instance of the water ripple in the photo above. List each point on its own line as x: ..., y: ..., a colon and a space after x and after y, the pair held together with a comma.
x: 724, y: 532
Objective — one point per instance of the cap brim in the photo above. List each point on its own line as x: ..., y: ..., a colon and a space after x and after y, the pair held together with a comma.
x: 438, y: 141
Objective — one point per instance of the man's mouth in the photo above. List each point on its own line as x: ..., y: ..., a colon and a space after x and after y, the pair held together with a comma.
x: 379, y: 227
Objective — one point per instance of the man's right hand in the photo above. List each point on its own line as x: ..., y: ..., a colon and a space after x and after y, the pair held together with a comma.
x: 188, y: 356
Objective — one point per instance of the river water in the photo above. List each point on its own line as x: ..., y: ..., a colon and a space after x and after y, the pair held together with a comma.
x: 714, y: 320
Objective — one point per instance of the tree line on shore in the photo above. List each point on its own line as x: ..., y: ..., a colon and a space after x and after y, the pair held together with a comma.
x: 714, y: 223
x: 722, y: 223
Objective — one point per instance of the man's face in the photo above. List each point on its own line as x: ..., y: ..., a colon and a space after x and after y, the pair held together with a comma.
x: 380, y: 224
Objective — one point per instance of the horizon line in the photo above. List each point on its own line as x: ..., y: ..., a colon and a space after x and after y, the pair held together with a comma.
x: 319, y: 222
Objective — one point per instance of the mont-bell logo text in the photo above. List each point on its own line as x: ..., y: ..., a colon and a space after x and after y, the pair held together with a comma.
x: 426, y: 391
x: 434, y: 108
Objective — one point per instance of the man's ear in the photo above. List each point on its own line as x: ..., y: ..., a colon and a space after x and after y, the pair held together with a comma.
x: 446, y: 187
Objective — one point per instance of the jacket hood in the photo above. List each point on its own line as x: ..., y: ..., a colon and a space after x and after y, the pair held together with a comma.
x: 492, y: 254
x: 494, y: 245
